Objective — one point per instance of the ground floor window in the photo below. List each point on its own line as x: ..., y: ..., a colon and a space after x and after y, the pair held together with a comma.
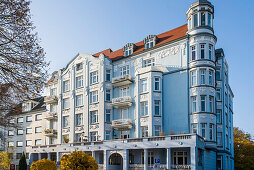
x: 180, y: 158
x: 94, y: 136
x: 115, y: 159
x: 150, y: 158
x: 144, y: 131
x: 219, y: 162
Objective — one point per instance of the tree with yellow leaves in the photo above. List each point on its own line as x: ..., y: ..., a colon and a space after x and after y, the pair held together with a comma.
x: 243, y: 150
x: 78, y: 160
x: 4, y: 160
x: 44, y: 164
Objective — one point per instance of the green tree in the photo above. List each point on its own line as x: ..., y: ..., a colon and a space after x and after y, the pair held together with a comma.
x: 44, y: 164
x: 4, y: 160
x: 78, y: 160
x: 22, y: 162
x: 243, y: 150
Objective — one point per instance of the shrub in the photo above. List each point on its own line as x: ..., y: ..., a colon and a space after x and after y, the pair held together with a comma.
x: 44, y: 164
x: 78, y: 161
x: 22, y: 162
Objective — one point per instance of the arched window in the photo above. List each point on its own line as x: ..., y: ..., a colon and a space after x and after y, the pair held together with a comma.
x: 128, y: 49
x: 150, y: 41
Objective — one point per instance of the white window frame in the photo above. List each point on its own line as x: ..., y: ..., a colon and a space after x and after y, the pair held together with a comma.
x: 202, y: 50
x: 210, y: 79
x: 94, y: 77
x: 219, y: 138
x: 202, y: 103
x: 107, y: 135
x: 144, y: 131
x: 193, y: 53
x: 79, y: 100
x: 202, y: 76
x: 157, y: 80
x: 79, y: 66
x: 107, y: 112
x: 211, y: 104
x: 210, y: 55
x: 38, y: 131
x: 194, y: 128
x: 149, y: 62
x: 93, y: 136
x: 125, y: 70
x: 157, y: 103
x: 19, y: 144
x: 108, y: 94
x: 211, y: 132
x: 79, y: 81
x: 124, y: 91
x: 194, y: 78
x: 66, y: 103
x: 94, y: 117
x: 218, y: 114
x: 66, y: 85
x: 20, y: 131
x: 38, y: 117
x: 124, y: 113
x: 218, y: 94
x: 20, y: 120
x: 79, y: 119
x: 10, y: 132
x: 108, y: 73
x: 11, y: 144
x: 157, y: 130
x: 144, y: 108
x: 94, y: 96
x: 65, y: 121
x: 203, y: 130
x: 194, y: 104
x: 36, y: 142
x: 144, y: 85
x: 53, y: 91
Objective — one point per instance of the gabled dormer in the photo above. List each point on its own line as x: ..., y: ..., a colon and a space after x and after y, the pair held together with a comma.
x: 150, y: 41
x: 27, y: 106
x: 128, y: 49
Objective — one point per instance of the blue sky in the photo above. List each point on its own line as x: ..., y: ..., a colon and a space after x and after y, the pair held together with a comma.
x: 89, y: 26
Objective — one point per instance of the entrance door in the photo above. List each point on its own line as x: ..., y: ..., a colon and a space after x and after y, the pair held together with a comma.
x: 115, y: 162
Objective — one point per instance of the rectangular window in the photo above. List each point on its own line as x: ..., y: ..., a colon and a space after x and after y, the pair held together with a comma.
x: 93, y: 117
x: 108, y: 75
x: 210, y: 52
x: 149, y: 62
x: 202, y: 76
x: 79, y: 100
x: 203, y: 18
x: 210, y: 77
x: 195, y: 20
x: 65, y: 121
x: 38, y: 117
x: 29, y: 119
x: 19, y: 143
x: 108, y: 135
x: 66, y: 86
x: 202, y: 51
x: 194, y: 128
x: 124, y: 70
x: 218, y: 73
x: 203, y: 103
x: 144, y: 85
x: 218, y: 94
x: 11, y: 144
x: 203, y: 130
x: 193, y: 52
x: 156, y: 83
x: 37, y: 142
x: 79, y: 66
x: 157, y: 107
x: 193, y: 78
x: 78, y: 137
x: 29, y: 130
x: 144, y: 131
x: 124, y: 113
x: 150, y: 158
x: 10, y: 133
x: 200, y: 157
x: 108, y: 95
x: 157, y: 130
x: 20, y: 132
x: 94, y: 77
x: 124, y: 91
x: 218, y: 112
x: 94, y: 96
x: 38, y: 129
x: 144, y: 108
x: 211, y: 105
x: 94, y: 136
x: 79, y: 119
x: 79, y: 81
x: 219, y: 138
x: 211, y: 131
x: 20, y: 120
x: 194, y: 104
x: 53, y: 108
x: 52, y: 91
x: 209, y: 20
x: 29, y: 143
x: 18, y: 155
x: 108, y: 115
x: 66, y: 103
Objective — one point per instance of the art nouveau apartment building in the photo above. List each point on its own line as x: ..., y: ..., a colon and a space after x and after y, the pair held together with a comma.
x: 164, y: 102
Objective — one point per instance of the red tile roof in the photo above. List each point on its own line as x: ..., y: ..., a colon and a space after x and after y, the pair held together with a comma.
x: 162, y: 39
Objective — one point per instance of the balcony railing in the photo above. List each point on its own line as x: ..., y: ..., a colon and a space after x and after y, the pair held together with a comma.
x: 51, y: 115
x: 50, y: 132
x: 122, y: 124
x: 122, y: 80
x: 180, y: 166
x: 50, y: 99
x: 124, y: 101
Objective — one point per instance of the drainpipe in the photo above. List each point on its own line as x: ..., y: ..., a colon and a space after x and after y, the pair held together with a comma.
x: 188, y: 83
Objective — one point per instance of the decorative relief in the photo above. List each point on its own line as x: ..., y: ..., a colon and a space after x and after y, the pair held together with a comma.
x: 212, y: 91
x: 168, y: 52
x: 80, y: 128
x: 93, y: 127
x: 157, y: 95
x: 80, y: 90
x: 144, y: 119
x: 203, y: 116
x: 66, y: 94
x: 138, y: 62
x: 194, y: 90
x: 66, y: 111
x: 203, y: 89
x: 93, y: 106
x: 107, y: 126
x: 79, y: 109
x: 157, y: 119
x: 66, y: 130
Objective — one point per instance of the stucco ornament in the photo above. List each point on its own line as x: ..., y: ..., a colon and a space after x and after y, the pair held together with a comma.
x: 168, y: 52
x: 144, y: 119
x: 93, y: 127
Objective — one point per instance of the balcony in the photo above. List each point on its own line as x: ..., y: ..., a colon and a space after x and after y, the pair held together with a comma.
x: 51, y: 116
x: 50, y: 132
x: 122, y: 124
x: 124, y: 101
x: 122, y: 80
x: 50, y: 99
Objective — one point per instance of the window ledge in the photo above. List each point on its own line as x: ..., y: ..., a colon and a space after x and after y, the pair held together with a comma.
x: 146, y: 92
x: 93, y: 103
x: 157, y: 115
x: 144, y: 116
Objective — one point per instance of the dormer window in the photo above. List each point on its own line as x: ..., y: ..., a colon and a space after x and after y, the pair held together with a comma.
x: 79, y: 66
x: 150, y: 41
x: 54, y: 77
x: 128, y: 49
x: 28, y: 106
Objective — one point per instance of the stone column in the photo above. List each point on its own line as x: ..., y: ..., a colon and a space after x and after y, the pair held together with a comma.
x: 126, y: 159
x: 31, y: 158
x: 145, y: 159
x: 48, y: 156
x: 105, y: 161
x: 93, y: 155
x: 58, y: 156
x: 168, y: 158
x: 193, y: 154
